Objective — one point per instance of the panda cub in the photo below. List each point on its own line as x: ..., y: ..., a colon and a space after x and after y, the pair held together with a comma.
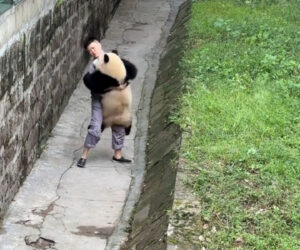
x: 111, y: 81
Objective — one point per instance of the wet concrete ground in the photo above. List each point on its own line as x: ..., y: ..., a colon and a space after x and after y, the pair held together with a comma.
x: 61, y: 206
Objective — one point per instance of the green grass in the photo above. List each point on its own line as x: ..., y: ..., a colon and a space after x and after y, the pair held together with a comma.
x: 240, y: 114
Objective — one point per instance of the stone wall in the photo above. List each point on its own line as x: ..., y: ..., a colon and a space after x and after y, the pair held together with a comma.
x: 40, y: 64
x: 149, y: 221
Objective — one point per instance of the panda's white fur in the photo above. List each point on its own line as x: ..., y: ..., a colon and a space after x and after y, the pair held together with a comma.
x: 117, y: 107
x: 116, y: 104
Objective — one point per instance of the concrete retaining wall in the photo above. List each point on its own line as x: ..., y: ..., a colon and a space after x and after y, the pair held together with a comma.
x: 41, y: 61
x: 149, y: 221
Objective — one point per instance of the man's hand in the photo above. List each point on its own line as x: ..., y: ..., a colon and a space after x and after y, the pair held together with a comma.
x: 122, y: 86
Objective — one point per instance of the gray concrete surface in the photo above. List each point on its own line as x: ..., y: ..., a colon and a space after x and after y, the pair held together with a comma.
x: 64, y: 207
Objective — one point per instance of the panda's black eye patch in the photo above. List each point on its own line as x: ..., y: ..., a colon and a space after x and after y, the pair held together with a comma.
x: 106, y: 58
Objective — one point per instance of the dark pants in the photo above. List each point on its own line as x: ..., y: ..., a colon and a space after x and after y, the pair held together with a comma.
x: 94, y: 129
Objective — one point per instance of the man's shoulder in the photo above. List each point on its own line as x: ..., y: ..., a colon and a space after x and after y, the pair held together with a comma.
x: 91, y: 67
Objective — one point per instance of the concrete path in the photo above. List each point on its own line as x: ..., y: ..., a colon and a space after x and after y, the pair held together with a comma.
x: 64, y: 207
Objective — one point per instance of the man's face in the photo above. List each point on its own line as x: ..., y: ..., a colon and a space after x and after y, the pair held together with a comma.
x: 95, y: 49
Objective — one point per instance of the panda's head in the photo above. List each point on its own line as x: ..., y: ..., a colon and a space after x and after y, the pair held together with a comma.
x: 111, y: 64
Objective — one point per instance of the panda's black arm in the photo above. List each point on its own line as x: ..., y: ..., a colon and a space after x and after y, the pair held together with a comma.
x: 99, y: 83
x: 131, y: 70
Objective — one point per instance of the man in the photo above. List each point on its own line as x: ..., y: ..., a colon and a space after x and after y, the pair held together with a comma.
x: 94, y: 48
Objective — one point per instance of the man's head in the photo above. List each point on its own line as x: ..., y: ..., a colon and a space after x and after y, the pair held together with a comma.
x: 93, y: 47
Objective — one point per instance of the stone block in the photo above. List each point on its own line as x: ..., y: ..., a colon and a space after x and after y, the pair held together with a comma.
x: 10, y: 151
x: 37, y: 26
x: 20, y: 57
x: 4, y: 136
x: 46, y: 29
x: 64, y: 12
x: 11, y: 77
x: 45, y: 124
x: 46, y: 21
x: 82, y: 12
x: 13, y: 57
x: 5, y: 107
x: 69, y: 11
x: 33, y: 138
x: 27, y: 127
x: 74, y: 22
x: 56, y: 77
x: 31, y: 48
x: 56, y: 41
x: 4, y: 87
x: 46, y: 37
x: 2, y: 65
x: 33, y: 107
x: 57, y: 60
x: 23, y: 166
x: 65, y: 77
x: 72, y: 8
x: 57, y: 98
x: 57, y: 16
x: 41, y: 62
x: 15, y: 95
x: 16, y: 117
x: 27, y: 81
x: 1, y: 174
x: 34, y: 94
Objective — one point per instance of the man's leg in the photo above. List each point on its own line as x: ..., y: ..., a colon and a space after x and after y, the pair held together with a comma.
x: 118, y: 137
x: 94, y: 130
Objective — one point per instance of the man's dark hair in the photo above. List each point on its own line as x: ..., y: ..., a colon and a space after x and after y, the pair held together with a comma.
x: 89, y: 40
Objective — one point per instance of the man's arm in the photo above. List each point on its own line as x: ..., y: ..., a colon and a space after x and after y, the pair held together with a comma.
x: 92, y: 68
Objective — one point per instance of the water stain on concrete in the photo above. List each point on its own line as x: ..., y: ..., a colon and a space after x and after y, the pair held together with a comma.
x: 92, y: 231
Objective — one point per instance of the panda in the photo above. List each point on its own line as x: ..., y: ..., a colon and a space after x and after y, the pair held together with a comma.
x: 111, y: 81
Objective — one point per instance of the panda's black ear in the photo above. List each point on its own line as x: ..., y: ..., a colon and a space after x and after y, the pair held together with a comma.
x: 115, y: 51
x: 106, y: 58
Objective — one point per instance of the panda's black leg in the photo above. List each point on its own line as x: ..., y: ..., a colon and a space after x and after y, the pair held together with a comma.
x: 127, y: 130
x: 102, y: 127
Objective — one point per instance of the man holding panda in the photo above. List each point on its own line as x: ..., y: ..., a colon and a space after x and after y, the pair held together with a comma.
x: 94, y: 48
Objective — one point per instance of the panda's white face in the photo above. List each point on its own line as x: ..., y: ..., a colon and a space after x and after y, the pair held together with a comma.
x: 111, y: 65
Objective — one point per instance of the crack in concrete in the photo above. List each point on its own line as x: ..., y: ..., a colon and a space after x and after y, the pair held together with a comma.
x: 40, y: 241
x: 44, y: 212
x: 60, y: 220
x: 26, y: 223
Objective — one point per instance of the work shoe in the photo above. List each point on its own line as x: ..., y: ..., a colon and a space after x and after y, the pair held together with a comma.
x: 81, y: 163
x: 121, y: 160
